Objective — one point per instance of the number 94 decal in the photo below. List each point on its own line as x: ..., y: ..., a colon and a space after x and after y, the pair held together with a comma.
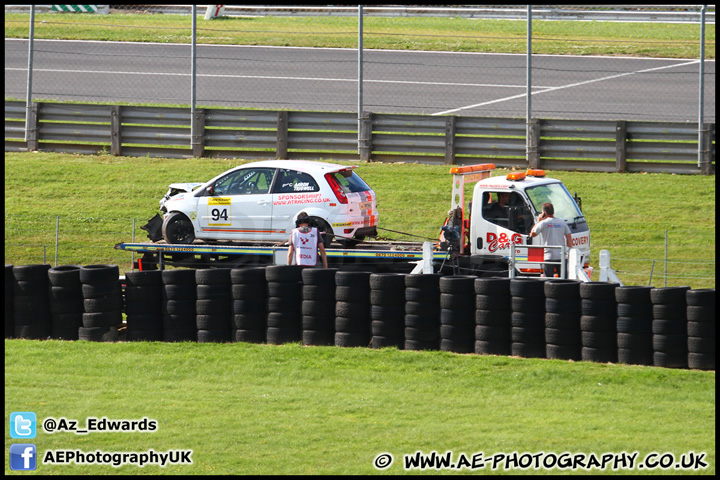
x: 219, y: 212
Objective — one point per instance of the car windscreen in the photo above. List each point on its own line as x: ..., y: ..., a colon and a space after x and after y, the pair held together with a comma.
x: 557, y: 194
x: 350, y: 182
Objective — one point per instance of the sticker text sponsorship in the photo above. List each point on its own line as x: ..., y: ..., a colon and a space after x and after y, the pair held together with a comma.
x: 299, y: 198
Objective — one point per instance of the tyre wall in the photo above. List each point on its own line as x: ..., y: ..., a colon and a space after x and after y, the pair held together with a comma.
x: 671, y: 327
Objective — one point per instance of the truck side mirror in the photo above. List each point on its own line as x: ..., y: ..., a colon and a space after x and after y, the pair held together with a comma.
x: 578, y: 200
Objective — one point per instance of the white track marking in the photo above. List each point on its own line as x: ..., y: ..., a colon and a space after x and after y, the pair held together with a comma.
x: 269, y: 77
x: 551, y: 89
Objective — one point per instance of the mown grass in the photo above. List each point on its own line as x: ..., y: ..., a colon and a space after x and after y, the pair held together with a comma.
x: 404, y: 33
x: 97, y: 197
x: 269, y: 409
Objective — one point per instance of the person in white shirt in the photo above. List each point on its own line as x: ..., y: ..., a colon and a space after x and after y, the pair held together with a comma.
x: 305, y: 242
x: 555, y: 231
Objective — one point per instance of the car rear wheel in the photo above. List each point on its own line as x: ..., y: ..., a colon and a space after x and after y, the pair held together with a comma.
x: 178, y: 229
x: 324, y: 229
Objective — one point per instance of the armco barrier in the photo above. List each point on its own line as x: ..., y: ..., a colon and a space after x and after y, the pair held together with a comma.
x: 139, y: 131
x: 544, y: 318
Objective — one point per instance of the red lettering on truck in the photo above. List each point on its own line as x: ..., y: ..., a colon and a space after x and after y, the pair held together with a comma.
x: 502, y: 242
x: 584, y: 240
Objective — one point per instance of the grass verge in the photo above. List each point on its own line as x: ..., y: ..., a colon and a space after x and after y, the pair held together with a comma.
x: 267, y: 409
x: 405, y: 33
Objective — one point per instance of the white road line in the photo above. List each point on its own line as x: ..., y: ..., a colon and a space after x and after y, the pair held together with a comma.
x: 268, y: 77
x: 551, y: 89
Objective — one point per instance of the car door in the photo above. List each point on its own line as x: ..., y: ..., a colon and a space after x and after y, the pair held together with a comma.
x: 238, y: 206
x: 293, y: 191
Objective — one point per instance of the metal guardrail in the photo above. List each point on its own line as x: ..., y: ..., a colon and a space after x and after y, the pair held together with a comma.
x: 599, y: 146
x: 610, y: 13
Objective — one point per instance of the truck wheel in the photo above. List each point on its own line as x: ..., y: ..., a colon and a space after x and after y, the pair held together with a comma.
x: 178, y: 229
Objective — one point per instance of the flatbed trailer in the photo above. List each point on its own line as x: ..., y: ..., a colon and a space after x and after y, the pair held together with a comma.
x: 375, y: 255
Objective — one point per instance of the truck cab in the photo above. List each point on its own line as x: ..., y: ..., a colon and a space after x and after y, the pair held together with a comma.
x: 504, y: 209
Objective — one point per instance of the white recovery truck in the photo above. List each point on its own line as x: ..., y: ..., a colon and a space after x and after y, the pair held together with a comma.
x: 483, y: 236
x: 492, y: 230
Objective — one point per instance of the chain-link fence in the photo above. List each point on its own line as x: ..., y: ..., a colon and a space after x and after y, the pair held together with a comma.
x: 62, y: 240
x: 466, y: 61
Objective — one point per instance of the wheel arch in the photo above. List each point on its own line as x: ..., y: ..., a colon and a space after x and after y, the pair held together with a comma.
x: 172, y: 214
x: 314, y: 213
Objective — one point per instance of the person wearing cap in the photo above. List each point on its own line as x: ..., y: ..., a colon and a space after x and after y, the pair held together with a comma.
x: 304, y: 244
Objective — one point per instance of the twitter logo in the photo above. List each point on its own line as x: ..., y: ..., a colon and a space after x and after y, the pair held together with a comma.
x: 23, y: 425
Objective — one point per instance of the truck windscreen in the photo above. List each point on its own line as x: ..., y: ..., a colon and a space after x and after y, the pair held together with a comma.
x: 557, y: 194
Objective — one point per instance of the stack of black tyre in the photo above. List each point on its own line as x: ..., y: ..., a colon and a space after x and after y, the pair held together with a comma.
x: 66, y: 301
x: 493, y: 316
x: 670, y: 343
x: 143, y: 305
x: 701, y: 328
x: 422, y: 312
x: 387, y: 310
x: 249, y: 293
x: 634, y: 325
x: 213, y: 306
x: 352, y: 309
x: 457, y: 313
x: 562, y: 319
x: 598, y: 323
x: 178, y: 305
x: 31, y: 307
x: 284, y: 303
x: 528, y: 317
x: 318, y: 306
x: 102, y: 302
x: 9, y: 315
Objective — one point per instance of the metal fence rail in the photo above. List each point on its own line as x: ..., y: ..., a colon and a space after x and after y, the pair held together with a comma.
x: 599, y: 146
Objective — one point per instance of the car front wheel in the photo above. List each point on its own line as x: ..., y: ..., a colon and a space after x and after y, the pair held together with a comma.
x: 178, y: 229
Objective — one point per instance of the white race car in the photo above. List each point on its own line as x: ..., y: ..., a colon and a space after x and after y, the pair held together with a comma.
x: 261, y: 201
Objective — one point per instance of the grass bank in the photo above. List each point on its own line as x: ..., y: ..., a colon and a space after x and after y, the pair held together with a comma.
x: 97, y: 198
x: 268, y: 409
x: 404, y: 33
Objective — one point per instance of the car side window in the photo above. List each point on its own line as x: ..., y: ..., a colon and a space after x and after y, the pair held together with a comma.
x: 245, y: 182
x: 291, y: 181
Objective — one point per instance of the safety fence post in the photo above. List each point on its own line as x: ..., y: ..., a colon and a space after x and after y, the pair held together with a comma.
x: 621, y: 146
x: 533, y: 143
x: 198, y: 133
x: 281, y: 148
x: 31, y: 127
x: 57, y: 238
x: 115, y: 138
x: 365, y: 137
x: 450, y: 140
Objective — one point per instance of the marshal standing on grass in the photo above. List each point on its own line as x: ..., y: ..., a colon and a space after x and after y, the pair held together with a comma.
x: 555, y: 232
x: 304, y: 243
